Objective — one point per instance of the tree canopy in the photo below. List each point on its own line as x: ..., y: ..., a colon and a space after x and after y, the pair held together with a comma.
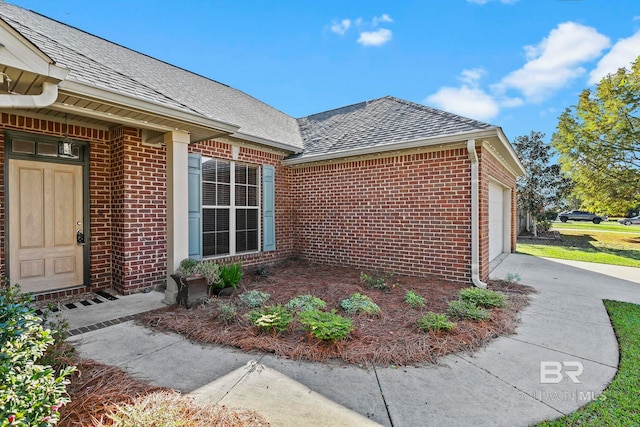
x: 543, y: 183
x: 599, y: 143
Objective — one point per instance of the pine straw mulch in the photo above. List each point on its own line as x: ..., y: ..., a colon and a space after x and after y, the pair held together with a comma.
x: 97, y: 392
x: 389, y: 339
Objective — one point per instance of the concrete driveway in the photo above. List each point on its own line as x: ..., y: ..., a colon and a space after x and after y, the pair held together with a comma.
x: 563, y: 355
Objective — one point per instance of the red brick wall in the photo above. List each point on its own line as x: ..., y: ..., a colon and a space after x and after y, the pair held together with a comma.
x: 139, y: 223
x: 409, y: 214
x: 491, y: 168
x: 283, y: 199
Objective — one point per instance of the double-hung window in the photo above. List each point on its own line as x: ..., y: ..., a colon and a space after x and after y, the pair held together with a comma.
x: 230, y: 207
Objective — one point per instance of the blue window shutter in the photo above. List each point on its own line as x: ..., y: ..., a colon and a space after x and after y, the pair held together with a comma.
x: 195, y: 206
x: 268, y: 209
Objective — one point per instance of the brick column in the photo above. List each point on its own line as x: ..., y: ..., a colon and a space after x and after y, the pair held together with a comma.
x: 177, y: 207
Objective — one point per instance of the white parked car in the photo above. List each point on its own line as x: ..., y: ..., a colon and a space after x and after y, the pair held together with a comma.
x: 629, y: 221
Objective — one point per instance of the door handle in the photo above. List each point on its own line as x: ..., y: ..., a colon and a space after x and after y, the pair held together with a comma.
x: 80, y: 238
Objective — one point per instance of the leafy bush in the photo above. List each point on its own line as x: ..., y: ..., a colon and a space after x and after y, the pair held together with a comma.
x: 435, y: 322
x: 188, y: 267
x: 305, y: 303
x: 231, y: 274
x: 273, y: 318
x: 30, y: 393
x: 467, y: 310
x: 482, y: 297
x: 414, y: 300
x: 377, y: 281
x: 254, y: 299
x: 325, y: 325
x: 543, y: 226
x: 227, y: 312
x: 358, y: 303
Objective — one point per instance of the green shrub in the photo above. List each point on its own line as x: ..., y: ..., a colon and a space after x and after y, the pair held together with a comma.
x: 231, y: 274
x: 482, y: 297
x: 227, y: 312
x: 254, y: 299
x: 188, y: 268
x: 325, y: 325
x: 435, y: 322
x: 305, y: 303
x: 273, y: 318
x: 31, y: 393
x: 358, y: 303
x: 414, y: 300
x: 467, y: 310
x: 377, y: 281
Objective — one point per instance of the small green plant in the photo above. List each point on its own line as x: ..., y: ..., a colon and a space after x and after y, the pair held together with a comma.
x: 31, y: 392
x: 358, y: 303
x: 482, y: 297
x: 467, y: 310
x: 231, y: 274
x: 513, y: 278
x: 325, y: 325
x: 435, y: 322
x: 377, y: 281
x: 254, y: 298
x: 273, y: 318
x: 188, y: 268
x: 211, y: 272
x: 414, y: 300
x: 305, y: 303
x: 227, y: 312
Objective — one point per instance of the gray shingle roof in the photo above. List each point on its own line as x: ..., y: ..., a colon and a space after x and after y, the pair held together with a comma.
x: 106, y: 65
x: 378, y: 122
x: 100, y: 63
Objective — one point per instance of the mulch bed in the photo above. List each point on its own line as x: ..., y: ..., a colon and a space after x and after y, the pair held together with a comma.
x: 391, y: 338
x: 96, y: 390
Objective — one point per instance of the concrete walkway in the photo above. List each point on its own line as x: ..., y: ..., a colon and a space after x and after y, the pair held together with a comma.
x: 501, y: 384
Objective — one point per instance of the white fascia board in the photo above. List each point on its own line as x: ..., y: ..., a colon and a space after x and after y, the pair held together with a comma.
x: 403, y: 145
x: 505, y: 141
x: 146, y: 106
x: 18, y: 52
x: 267, y: 142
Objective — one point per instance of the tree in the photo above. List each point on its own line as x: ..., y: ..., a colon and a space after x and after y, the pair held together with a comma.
x: 543, y: 183
x: 599, y: 143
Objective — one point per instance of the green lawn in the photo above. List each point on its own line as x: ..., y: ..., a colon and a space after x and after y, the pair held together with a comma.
x: 605, y: 243
x: 618, y: 405
x: 603, y: 226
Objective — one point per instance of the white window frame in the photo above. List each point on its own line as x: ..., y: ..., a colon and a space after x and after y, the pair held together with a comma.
x: 232, y: 208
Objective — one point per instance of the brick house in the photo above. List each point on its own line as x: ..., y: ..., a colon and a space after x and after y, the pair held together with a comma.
x: 117, y: 166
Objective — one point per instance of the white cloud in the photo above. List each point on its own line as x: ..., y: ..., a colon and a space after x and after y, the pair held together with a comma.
x: 622, y: 54
x: 465, y: 101
x: 555, y: 61
x: 375, y: 38
x: 472, y: 76
x: 369, y: 33
x: 382, y: 18
x: 341, y: 27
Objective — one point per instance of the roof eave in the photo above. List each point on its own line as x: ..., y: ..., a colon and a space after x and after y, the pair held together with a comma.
x: 402, y: 145
x: 153, y: 108
x: 268, y: 142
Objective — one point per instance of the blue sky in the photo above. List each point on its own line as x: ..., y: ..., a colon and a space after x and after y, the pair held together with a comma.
x: 513, y: 63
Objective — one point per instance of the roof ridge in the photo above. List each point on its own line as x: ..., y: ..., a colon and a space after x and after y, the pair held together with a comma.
x: 437, y: 111
x: 144, y: 55
x: 15, y: 24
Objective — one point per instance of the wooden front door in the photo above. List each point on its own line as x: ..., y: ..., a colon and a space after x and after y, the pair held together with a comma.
x: 45, y: 215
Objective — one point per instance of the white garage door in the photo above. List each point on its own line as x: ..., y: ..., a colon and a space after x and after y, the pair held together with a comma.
x: 496, y: 220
